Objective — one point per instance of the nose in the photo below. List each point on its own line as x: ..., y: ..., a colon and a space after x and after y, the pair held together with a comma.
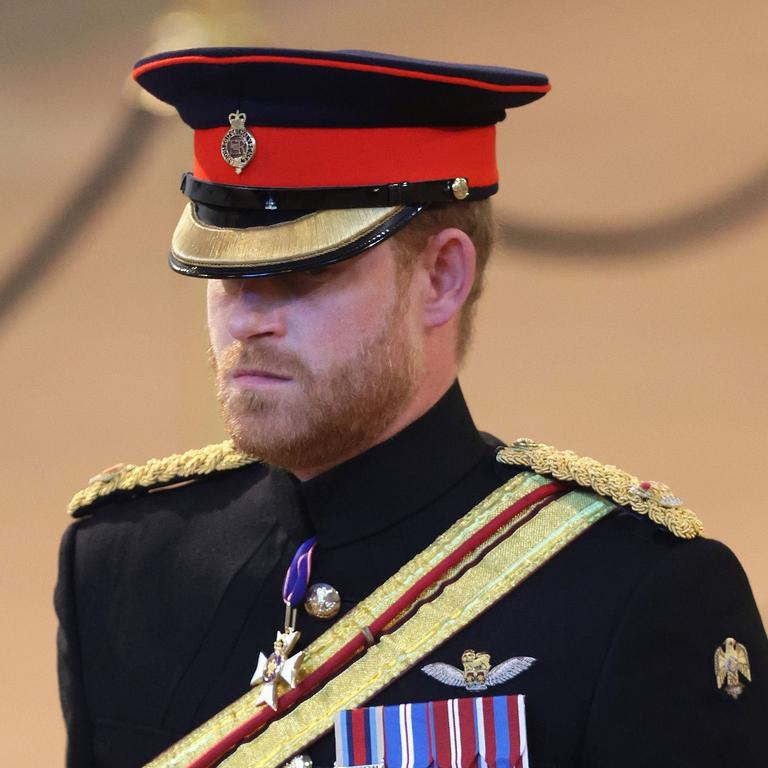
x: 257, y: 308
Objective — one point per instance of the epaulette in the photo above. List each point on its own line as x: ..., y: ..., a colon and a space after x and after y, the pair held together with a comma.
x: 646, y: 497
x: 157, y: 473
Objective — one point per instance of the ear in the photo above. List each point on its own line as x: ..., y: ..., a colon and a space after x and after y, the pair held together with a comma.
x: 448, y: 261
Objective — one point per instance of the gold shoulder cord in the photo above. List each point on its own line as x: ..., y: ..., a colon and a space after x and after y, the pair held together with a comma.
x: 156, y: 472
x: 645, y: 497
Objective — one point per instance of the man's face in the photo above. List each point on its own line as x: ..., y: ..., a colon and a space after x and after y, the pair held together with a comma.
x: 314, y: 366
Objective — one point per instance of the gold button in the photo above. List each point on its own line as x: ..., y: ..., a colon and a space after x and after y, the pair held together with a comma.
x: 322, y: 601
x: 460, y: 188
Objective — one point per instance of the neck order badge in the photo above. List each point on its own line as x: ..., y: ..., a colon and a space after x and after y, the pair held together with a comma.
x: 280, y: 665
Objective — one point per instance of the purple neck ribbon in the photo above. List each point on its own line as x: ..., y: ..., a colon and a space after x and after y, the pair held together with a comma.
x: 297, y: 576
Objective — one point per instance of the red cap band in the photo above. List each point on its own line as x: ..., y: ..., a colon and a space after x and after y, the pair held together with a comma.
x: 340, y: 157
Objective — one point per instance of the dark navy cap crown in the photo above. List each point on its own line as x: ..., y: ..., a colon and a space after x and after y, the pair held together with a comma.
x: 282, y: 87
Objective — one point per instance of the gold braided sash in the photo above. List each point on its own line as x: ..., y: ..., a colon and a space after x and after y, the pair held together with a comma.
x: 497, y: 573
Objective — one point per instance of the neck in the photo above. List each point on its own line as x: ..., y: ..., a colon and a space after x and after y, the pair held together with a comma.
x: 430, y: 391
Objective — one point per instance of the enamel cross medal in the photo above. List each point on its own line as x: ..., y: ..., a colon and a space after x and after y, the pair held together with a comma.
x: 280, y: 666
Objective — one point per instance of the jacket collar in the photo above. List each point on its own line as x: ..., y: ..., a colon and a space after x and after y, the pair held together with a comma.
x: 375, y: 490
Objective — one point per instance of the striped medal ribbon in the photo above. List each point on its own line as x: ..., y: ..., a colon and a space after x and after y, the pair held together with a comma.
x: 481, y: 732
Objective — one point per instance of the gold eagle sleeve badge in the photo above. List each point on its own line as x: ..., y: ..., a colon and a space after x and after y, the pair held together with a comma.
x: 732, y: 660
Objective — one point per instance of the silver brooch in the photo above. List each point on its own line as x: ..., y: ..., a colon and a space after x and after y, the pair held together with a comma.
x: 322, y: 601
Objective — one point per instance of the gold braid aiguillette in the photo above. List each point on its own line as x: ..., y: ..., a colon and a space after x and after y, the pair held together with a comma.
x: 155, y: 473
x: 645, y: 497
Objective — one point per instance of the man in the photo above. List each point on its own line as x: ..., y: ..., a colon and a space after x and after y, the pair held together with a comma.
x: 359, y: 543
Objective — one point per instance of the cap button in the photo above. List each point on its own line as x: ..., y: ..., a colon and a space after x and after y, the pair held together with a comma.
x: 460, y: 188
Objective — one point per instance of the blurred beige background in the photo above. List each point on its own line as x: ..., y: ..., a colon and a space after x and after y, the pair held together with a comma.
x: 652, y: 358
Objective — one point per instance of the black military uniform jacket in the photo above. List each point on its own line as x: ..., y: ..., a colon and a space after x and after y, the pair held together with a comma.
x: 165, y: 600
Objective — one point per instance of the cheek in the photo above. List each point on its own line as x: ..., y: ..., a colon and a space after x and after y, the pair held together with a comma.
x: 217, y: 326
x: 347, y: 324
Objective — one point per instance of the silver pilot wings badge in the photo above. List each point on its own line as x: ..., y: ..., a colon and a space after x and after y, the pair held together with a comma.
x: 478, y: 674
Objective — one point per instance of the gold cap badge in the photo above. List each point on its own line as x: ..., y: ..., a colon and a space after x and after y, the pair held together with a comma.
x: 238, y: 145
x: 731, y: 660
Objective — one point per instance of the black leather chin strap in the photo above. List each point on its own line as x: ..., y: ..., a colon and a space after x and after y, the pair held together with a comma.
x: 320, y: 198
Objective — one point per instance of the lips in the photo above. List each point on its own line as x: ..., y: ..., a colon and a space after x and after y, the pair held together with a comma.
x: 258, y: 375
x: 259, y: 372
